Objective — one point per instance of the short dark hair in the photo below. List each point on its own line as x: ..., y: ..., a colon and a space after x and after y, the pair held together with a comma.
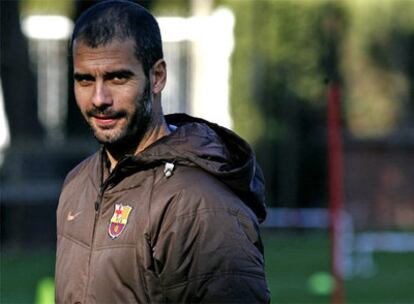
x: 120, y: 19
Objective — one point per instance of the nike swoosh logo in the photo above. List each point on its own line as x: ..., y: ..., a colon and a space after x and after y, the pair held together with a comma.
x: 71, y: 216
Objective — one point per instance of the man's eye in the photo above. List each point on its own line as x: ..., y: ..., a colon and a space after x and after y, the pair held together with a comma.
x: 84, y: 80
x: 119, y: 79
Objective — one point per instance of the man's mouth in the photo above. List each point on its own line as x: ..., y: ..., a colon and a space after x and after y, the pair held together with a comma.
x: 105, y: 120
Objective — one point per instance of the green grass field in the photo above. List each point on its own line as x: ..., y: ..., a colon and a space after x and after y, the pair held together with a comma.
x: 291, y: 262
x: 292, y: 259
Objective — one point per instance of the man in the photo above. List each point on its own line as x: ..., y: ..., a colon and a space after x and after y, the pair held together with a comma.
x: 168, y: 210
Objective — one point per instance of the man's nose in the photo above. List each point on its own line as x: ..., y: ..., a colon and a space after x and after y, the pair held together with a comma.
x: 101, y: 96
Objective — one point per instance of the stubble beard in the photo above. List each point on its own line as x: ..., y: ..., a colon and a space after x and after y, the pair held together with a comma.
x: 137, y: 124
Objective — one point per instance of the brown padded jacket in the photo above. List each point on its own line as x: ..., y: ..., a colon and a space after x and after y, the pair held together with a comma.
x: 177, y: 223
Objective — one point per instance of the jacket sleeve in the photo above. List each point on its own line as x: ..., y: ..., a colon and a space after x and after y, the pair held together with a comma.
x: 209, y: 251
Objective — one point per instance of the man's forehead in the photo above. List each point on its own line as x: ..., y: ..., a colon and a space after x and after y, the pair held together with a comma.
x: 112, y: 56
x: 80, y: 45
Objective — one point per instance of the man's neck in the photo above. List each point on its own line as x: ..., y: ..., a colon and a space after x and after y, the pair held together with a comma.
x: 152, y: 135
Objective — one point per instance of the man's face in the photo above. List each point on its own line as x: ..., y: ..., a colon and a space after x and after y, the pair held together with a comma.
x: 112, y: 91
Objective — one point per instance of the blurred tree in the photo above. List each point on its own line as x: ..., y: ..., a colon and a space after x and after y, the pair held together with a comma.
x: 171, y: 7
x: 46, y: 7
x: 280, y: 66
x: 18, y: 81
x: 378, y: 69
x: 285, y: 52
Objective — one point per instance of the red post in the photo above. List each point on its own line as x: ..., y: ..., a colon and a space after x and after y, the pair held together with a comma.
x: 335, y: 163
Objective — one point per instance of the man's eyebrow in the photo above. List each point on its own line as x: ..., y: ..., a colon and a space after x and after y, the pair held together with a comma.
x: 119, y: 74
x: 81, y: 76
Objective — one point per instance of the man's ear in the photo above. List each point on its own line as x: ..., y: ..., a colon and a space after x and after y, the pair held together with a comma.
x: 158, y: 75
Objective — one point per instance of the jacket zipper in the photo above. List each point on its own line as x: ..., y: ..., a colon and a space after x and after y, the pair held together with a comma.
x: 98, y: 203
x: 97, y: 207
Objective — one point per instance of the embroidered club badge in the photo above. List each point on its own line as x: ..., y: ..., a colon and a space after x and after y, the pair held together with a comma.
x: 119, y: 220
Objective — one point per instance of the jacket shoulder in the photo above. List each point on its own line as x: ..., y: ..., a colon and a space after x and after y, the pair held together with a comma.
x: 81, y: 168
x: 196, y: 190
x: 207, y: 244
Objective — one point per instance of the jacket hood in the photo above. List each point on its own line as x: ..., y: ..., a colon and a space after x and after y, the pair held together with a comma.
x: 215, y: 149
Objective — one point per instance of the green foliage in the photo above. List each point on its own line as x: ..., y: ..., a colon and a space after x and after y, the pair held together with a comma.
x: 378, y: 66
x: 247, y: 116
x: 277, y: 58
x: 171, y: 7
x: 284, y: 51
x: 47, y: 7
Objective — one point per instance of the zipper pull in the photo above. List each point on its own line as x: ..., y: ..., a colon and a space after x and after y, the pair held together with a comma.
x: 96, y: 206
x: 168, y: 169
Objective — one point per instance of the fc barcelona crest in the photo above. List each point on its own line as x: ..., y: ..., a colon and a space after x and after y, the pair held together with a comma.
x: 119, y: 220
